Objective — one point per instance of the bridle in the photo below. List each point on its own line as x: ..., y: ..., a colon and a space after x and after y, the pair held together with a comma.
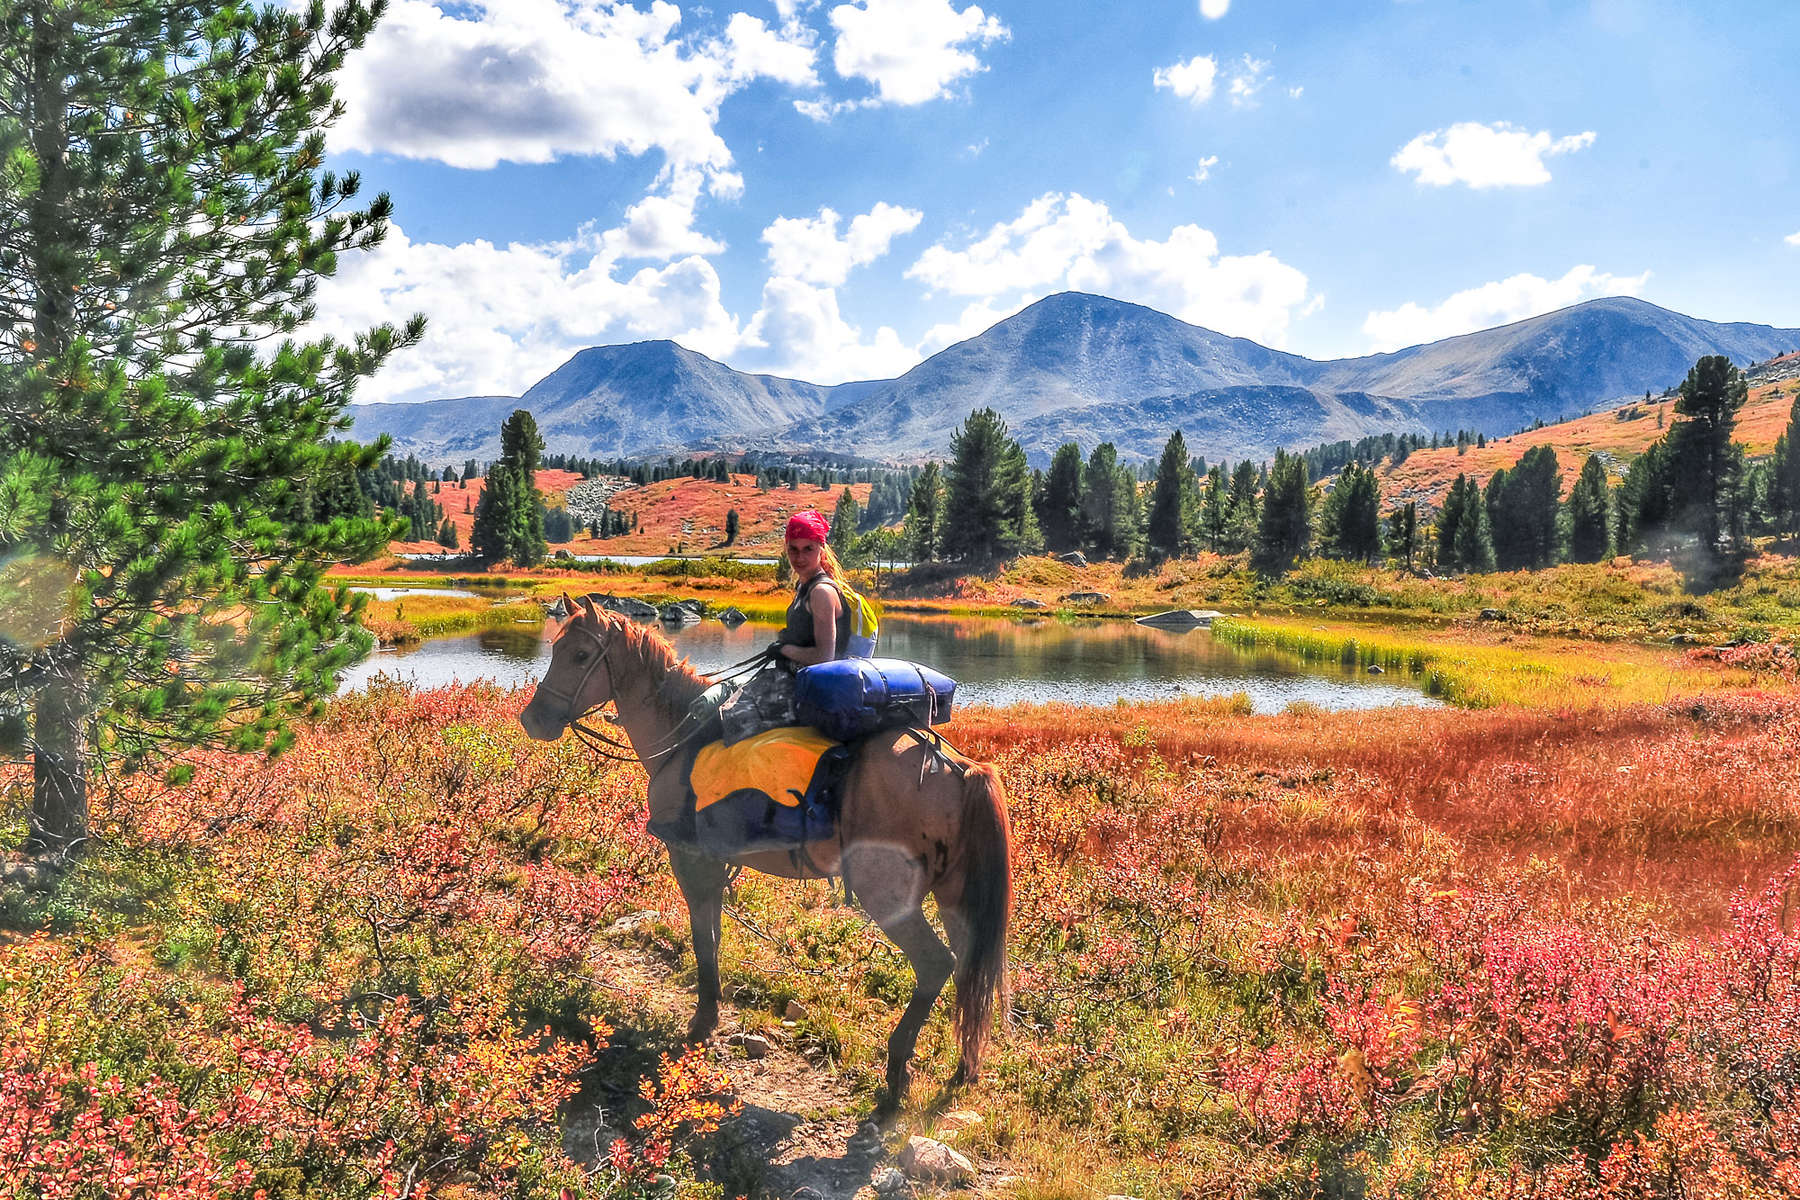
x: 598, y: 740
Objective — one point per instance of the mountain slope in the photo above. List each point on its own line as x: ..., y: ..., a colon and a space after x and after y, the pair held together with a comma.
x: 1091, y: 369
x: 607, y: 400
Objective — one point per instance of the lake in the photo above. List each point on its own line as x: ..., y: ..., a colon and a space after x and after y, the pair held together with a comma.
x: 995, y: 661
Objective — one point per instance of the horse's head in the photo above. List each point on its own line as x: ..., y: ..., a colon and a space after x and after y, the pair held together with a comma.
x: 580, y: 678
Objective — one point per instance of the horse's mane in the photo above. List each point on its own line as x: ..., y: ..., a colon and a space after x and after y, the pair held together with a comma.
x: 648, y: 654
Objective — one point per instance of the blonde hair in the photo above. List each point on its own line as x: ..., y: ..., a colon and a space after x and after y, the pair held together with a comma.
x: 828, y: 561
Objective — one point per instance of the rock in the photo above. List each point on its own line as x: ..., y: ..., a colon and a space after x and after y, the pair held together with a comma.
x: 931, y: 1160
x: 1028, y: 602
x: 887, y: 1181
x: 677, y: 614
x: 1074, y: 558
x: 637, y: 610
x: 1086, y: 597
x: 1492, y: 614
x: 808, y: 1193
x: 1377, y: 669
x: 754, y: 1046
x: 958, y: 1120
x: 795, y: 1011
x: 30, y: 876
x: 1006, y: 1182
x: 1684, y: 639
x: 630, y: 922
x: 733, y: 616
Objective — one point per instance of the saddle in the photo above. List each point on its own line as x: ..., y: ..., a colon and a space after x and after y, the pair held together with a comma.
x: 776, y: 790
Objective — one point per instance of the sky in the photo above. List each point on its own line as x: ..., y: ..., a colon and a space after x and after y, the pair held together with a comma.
x: 834, y: 191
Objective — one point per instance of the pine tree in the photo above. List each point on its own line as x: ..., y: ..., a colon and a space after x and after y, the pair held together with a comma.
x: 1590, y: 524
x: 731, y: 527
x: 1462, y: 497
x: 1169, y: 529
x: 1243, y: 510
x: 1214, y: 509
x: 1351, y: 519
x: 163, y: 227
x: 1109, y: 516
x: 1704, y: 464
x: 1474, y: 544
x: 1403, y: 532
x: 509, y: 518
x: 1784, y: 482
x: 989, y: 493
x: 1059, y: 513
x: 924, y: 515
x: 844, y: 519
x: 1284, y: 533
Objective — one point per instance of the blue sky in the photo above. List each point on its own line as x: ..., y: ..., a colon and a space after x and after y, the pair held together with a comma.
x: 836, y: 190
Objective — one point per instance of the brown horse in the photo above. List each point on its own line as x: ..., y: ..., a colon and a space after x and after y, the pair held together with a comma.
x: 914, y: 821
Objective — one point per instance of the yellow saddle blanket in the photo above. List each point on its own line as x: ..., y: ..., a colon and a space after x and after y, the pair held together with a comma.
x: 779, y: 763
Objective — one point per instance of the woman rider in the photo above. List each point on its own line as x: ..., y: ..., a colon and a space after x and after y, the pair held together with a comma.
x: 817, y: 630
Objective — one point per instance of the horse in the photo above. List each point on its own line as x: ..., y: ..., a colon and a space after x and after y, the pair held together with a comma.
x: 916, y: 819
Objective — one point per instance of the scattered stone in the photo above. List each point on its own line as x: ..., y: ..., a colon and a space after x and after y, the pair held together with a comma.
x: 632, y: 921
x: 754, y: 1046
x: 795, y: 1011
x: 27, y: 875
x: 1086, y: 597
x: 887, y: 1181
x: 733, y: 616
x: 1028, y: 602
x: 1492, y: 614
x: 958, y: 1120
x: 1074, y: 558
x: 931, y: 1160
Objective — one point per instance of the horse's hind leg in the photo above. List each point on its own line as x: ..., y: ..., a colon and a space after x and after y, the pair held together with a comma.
x: 890, y: 888
x: 702, y: 881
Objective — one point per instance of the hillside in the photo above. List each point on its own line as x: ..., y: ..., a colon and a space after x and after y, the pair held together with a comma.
x: 678, y: 515
x: 1615, y: 434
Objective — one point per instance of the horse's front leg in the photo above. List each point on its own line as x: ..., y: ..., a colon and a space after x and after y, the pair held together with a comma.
x: 702, y: 881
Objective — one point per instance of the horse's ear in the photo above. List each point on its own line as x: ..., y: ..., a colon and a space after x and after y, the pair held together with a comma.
x: 587, y: 606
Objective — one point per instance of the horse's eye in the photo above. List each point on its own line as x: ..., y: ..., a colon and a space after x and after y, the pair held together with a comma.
x: 581, y: 656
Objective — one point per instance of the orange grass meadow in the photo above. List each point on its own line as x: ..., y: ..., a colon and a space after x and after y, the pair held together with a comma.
x: 1511, y: 952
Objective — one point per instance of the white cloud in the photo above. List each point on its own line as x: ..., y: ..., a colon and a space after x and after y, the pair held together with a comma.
x: 911, y: 50
x: 534, y: 80
x: 1792, y: 239
x: 1212, y: 10
x: 502, y: 317
x: 1192, y: 80
x: 1295, y: 92
x: 799, y: 332
x: 974, y: 319
x: 1070, y: 241
x: 810, y: 250
x: 1251, y: 74
x: 1203, y: 171
x: 662, y: 226
x: 1491, y: 304
x: 1485, y: 156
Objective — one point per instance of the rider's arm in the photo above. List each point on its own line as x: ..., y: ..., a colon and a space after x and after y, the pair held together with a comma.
x: 823, y: 604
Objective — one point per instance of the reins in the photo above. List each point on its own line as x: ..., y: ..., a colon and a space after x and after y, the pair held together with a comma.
x: 614, y: 749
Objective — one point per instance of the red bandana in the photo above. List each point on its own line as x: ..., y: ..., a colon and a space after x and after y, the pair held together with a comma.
x: 808, y: 524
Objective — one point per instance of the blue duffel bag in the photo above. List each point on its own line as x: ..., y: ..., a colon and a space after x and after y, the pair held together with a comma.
x: 849, y: 698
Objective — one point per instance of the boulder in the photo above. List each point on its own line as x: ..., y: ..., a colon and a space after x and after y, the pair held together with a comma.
x: 733, y: 616
x: 753, y: 1045
x: 1028, y: 602
x: 1086, y: 597
x: 795, y: 1011
x: 931, y: 1160
x: 637, y: 610
x: 958, y: 1120
x: 677, y: 614
x: 1074, y: 558
x: 1492, y: 614
x: 887, y: 1181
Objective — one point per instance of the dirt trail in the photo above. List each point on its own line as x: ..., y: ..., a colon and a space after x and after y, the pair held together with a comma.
x: 798, y: 1128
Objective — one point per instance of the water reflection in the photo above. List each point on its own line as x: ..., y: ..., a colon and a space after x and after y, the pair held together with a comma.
x: 995, y: 661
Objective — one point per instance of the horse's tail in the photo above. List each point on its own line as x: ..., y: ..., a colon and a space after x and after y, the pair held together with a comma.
x: 985, y: 908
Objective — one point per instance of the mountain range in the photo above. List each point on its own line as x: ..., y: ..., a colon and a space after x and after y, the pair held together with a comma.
x: 1085, y: 368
